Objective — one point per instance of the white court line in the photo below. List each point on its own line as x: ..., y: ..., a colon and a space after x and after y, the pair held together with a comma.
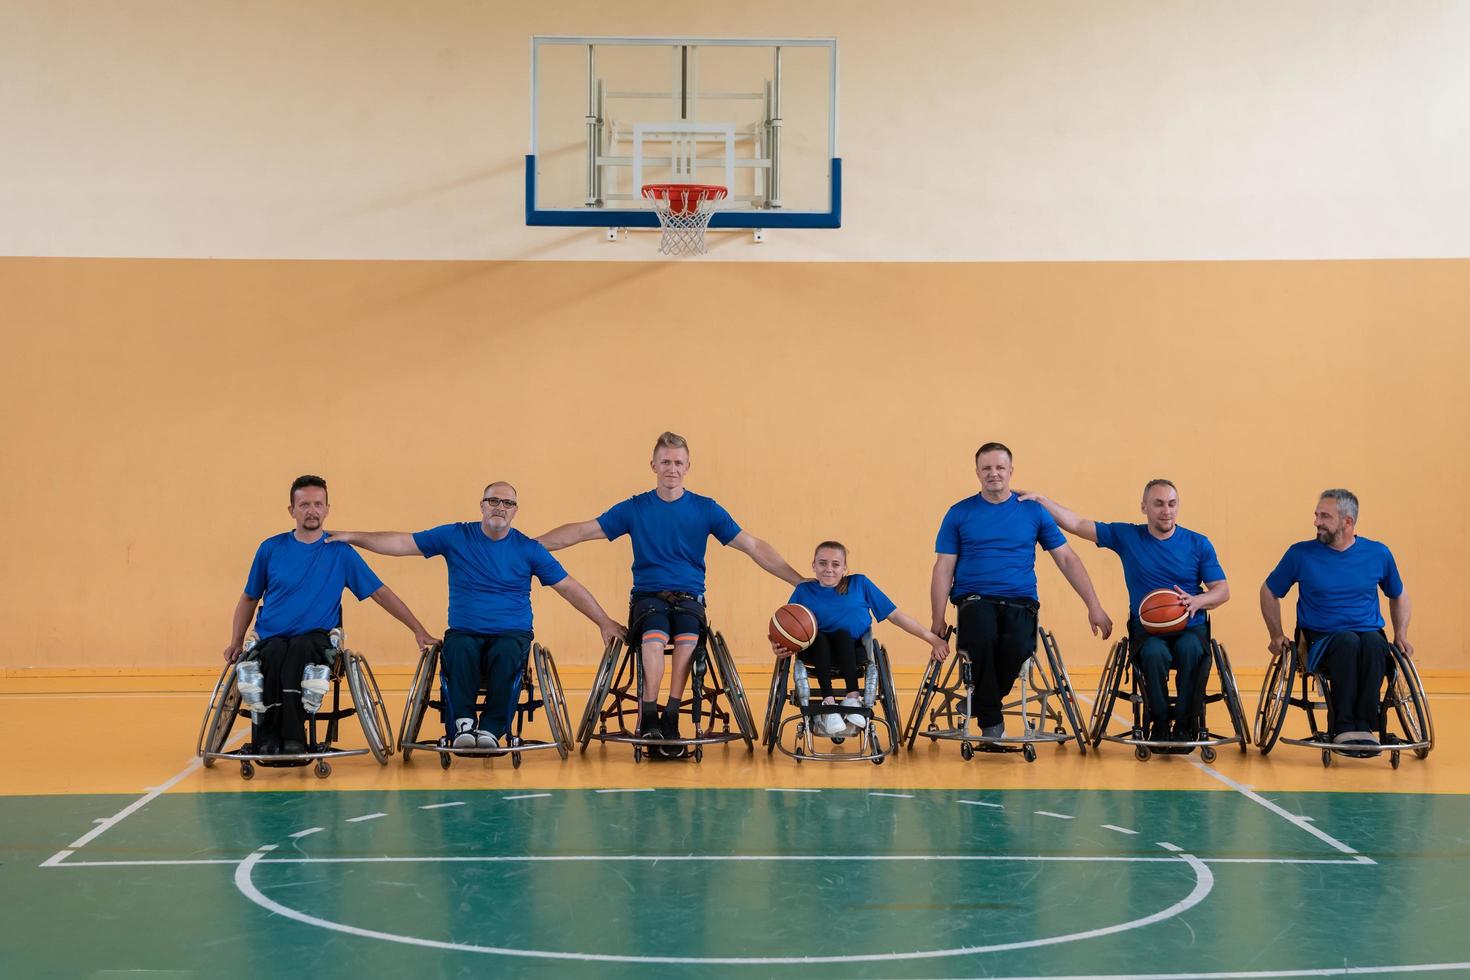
x: 1169, y: 847
x: 895, y: 796
x: 1330, y: 971
x: 996, y: 806
x: 648, y: 789
x: 1121, y: 830
x: 366, y: 816
x: 522, y: 796
x: 1255, y: 797
x: 440, y: 806
x: 1048, y: 813
x: 789, y: 789
x: 307, y: 832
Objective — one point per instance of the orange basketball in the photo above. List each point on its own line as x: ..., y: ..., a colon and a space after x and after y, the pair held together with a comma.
x: 793, y: 627
x: 1162, y: 612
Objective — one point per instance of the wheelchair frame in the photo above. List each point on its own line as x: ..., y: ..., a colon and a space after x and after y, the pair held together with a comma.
x: 620, y: 677
x: 1110, y: 691
x: 1403, y: 694
x: 225, y: 707
x: 538, y: 666
x: 946, y: 723
x: 871, y: 749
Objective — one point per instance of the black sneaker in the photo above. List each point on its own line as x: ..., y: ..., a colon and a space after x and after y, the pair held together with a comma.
x: 268, y: 746
x: 293, y: 747
x: 669, y: 729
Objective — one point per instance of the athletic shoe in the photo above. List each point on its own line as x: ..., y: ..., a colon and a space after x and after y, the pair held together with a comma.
x: 485, y: 740
x: 293, y: 747
x: 830, y: 725
x: 668, y: 728
x: 998, y: 730
x: 857, y: 721
x: 1358, y: 738
x: 268, y: 746
x: 464, y: 735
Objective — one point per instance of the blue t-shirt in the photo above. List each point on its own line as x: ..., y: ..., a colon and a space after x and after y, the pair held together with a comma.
x: 668, y: 538
x: 996, y: 545
x: 854, y: 611
x: 489, y: 581
x: 1337, y: 590
x: 1185, y: 560
x: 302, y: 584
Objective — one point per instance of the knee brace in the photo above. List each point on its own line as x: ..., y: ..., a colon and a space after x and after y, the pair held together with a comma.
x: 251, y: 686
x: 315, y: 680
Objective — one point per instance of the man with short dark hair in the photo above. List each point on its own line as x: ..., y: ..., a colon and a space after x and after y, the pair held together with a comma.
x: 669, y: 527
x: 490, y: 567
x: 985, y: 563
x: 1338, y: 576
x: 297, y: 579
x: 1159, y: 554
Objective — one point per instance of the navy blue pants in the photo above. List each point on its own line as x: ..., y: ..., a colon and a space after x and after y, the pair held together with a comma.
x: 472, y: 662
x: 1354, y: 664
x: 1187, y: 654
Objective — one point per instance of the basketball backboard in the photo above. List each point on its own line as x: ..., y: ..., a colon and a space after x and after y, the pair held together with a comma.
x: 611, y: 114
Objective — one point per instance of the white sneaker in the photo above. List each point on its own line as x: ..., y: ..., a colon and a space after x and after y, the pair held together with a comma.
x: 831, y: 725
x: 857, y: 721
x: 484, y: 740
x: 464, y: 736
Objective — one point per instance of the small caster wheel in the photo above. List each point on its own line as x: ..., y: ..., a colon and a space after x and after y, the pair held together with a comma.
x: 323, y: 769
x: 933, y: 727
x: 445, y: 760
x: 798, y: 754
x: 1326, y: 758
x: 637, y: 753
x: 878, y: 761
x: 1141, y: 753
x: 1393, y: 759
x: 515, y: 760
x: 247, y: 770
x: 1207, y: 753
x: 967, y: 751
x: 1061, y: 730
x: 699, y: 753
x: 838, y: 739
x: 208, y: 762
x: 1029, y: 752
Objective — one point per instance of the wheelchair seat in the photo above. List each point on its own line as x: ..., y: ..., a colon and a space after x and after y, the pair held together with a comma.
x: 790, y: 687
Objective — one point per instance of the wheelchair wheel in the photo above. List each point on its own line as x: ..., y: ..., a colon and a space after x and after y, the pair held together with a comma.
x: 323, y: 768
x: 1275, y: 695
x: 1065, y: 693
x: 377, y: 728
x: 734, y: 689
x: 776, y: 702
x: 1233, y: 704
x: 601, y: 684
x: 927, y: 686
x: 555, y: 699
x: 219, y: 717
x: 890, y: 696
x: 418, y: 699
x: 1108, y: 686
x: 1409, y: 702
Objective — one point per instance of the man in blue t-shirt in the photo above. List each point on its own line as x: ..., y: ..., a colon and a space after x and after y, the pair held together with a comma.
x: 1338, y: 576
x: 985, y: 563
x: 490, y: 567
x: 669, y: 527
x: 300, y: 577
x: 1159, y: 554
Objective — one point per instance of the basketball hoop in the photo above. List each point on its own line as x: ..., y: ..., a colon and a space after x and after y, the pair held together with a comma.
x: 683, y: 213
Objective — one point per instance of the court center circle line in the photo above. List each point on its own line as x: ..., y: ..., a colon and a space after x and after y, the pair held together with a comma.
x: 1204, y: 882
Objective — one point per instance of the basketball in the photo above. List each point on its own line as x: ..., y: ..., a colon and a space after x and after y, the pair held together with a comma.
x: 1162, y: 612
x: 793, y: 627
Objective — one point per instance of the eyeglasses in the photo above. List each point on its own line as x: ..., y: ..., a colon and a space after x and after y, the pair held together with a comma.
x: 498, y: 502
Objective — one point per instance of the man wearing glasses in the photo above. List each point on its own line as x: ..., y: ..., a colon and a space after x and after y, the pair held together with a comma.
x: 490, y: 567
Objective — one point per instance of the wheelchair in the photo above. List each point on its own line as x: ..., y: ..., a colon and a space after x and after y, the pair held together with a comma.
x: 1403, y: 701
x: 367, y: 704
x: 539, y: 668
x: 716, y: 696
x: 1110, y: 690
x: 790, y: 685
x: 1047, y: 700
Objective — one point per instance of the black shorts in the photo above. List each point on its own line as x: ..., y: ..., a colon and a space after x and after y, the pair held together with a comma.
x: 667, y: 616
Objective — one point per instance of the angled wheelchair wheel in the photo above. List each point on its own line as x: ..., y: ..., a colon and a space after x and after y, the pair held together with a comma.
x: 1108, y: 687
x: 601, y: 684
x: 890, y: 695
x: 922, y: 699
x: 776, y: 702
x: 1410, y: 704
x: 1065, y: 692
x: 555, y: 699
x: 1275, y: 696
x: 377, y: 727
x: 1233, y: 704
x: 734, y: 689
x: 219, y: 717
x: 419, y: 690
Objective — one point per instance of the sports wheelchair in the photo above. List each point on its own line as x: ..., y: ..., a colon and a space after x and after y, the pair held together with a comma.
x: 876, y: 741
x: 539, y: 667
x: 1404, y: 700
x: 367, y: 704
x: 1047, y: 698
x: 1122, y: 663
x: 716, y: 694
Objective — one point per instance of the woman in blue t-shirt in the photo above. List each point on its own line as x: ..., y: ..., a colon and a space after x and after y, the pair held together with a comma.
x: 844, y: 607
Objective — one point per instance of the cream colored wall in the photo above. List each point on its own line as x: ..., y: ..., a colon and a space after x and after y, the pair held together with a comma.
x: 154, y: 414
x: 1062, y: 130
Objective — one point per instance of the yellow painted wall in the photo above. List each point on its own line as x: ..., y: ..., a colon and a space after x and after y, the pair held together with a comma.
x: 153, y: 413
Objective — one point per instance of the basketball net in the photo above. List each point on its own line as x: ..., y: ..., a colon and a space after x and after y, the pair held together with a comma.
x: 683, y: 213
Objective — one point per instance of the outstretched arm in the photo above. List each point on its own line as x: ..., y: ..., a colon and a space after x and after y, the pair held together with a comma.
x: 386, y: 598
x: 576, y: 593
x: 1399, y: 611
x: 907, y: 623
x: 939, y: 585
x: 766, y: 557
x: 399, y: 544
x: 570, y: 534
x: 244, y: 612
x: 1068, y: 519
x: 1076, y: 574
x: 1271, y: 613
